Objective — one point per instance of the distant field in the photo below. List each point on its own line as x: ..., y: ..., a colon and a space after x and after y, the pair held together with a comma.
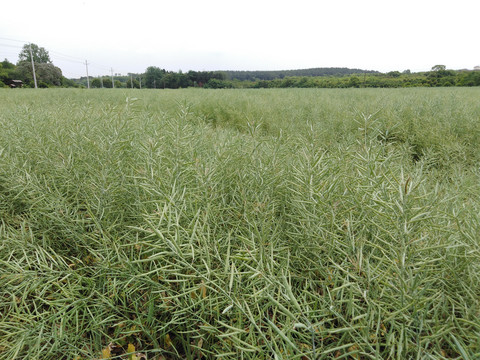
x: 249, y: 224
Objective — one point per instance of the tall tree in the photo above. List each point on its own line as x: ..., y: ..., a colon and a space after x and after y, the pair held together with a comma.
x: 439, y: 68
x: 47, y: 73
x: 153, y: 77
x: 40, y: 55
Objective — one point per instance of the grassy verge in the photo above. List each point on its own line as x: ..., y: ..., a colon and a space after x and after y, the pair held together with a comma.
x: 240, y: 224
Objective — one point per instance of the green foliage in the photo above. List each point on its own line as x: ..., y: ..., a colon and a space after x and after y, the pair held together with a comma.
x: 469, y: 78
x: 42, y: 84
x: 47, y: 74
x: 7, y: 65
x: 395, y: 74
x: 314, y: 72
x: 288, y: 223
x: 68, y: 82
x: 24, y: 72
x: 153, y: 77
x: 439, y: 68
x: 107, y: 82
x: 135, y: 83
x: 440, y: 78
x: 171, y: 80
x: 218, y: 84
x: 7, y: 72
x: 160, y: 79
x: 40, y: 55
x: 354, y: 81
x: 199, y: 78
x: 96, y: 83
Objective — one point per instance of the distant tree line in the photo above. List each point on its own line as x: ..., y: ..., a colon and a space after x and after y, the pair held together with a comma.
x: 48, y: 75
x: 438, y: 77
x: 157, y: 78
x: 280, y: 74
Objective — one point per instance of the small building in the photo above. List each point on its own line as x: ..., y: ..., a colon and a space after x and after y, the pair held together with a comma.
x: 476, y: 68
x: 16, y: 84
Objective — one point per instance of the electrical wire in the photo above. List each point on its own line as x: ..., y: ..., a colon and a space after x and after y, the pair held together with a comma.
x: 57, y: 56
x: 73, y: 58
x: 9, y: 53
x: 22, y: 41
x: 12, y: 46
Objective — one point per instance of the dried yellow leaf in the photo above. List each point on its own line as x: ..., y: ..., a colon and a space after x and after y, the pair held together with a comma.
x: 106, y: 353
x: 203, y: 290
x: 352, y: 349
x: 168, y: 341
x: 198, y: 351
x: 130, y: 348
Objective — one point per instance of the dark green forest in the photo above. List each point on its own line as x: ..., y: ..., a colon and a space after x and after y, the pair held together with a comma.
x: 280, y: 74
x: 49, y: 75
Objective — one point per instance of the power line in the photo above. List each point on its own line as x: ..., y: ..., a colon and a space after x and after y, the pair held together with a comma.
x: 24, y: 41
x: 67, y: 60
x: 67, y: 56
x: 99, y: 66
x: 12, y: 46
x: 8, y: 53
x: 61, y: 58
x: 55, y: 55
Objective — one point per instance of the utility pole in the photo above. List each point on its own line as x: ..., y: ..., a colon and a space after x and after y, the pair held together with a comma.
x: 131, y: 80
x: 33, y: 67
x: 113, y: 84
x: 154, y: 83
x: 88, y: 80
x: 140, y: 82
x: 101, y: 80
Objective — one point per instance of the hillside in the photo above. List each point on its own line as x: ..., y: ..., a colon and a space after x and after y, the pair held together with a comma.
x: 280, y: 74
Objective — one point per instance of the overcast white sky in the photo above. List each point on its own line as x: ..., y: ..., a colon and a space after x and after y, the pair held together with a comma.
x: 129, y: 36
